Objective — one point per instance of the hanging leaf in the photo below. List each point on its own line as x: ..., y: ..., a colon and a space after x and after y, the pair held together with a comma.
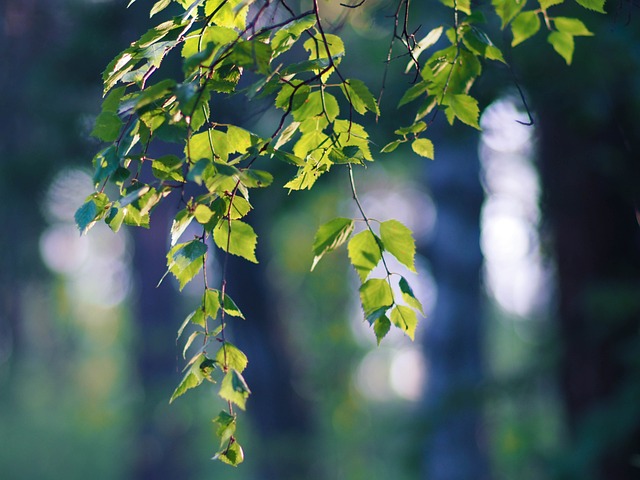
x: 423, y: 147
x: 330, y: 236
x: 231, y: 357
x: 365, y: 253
x: 237, y: 238
x: 185, y: 260
x: 381, y: 327
x: 408, y: 295
x: 524, y: 26
x: 199, y: 370
x: 234, y: 389
x: 563, y: 44
x: 375, y: 294
x: 398, y: 241
x: 405, y: 318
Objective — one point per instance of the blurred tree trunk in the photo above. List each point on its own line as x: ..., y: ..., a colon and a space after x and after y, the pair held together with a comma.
x: 597, y: 247
x: 590, y: 151
x: 453, y: 343
x: 281, y: 417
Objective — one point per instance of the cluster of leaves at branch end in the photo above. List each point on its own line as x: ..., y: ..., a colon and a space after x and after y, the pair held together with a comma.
x: 382, y: 304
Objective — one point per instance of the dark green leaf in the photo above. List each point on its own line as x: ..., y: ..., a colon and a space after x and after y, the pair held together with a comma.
x: 226, y: 426
x: 408, y: 295
x: 232, y: 455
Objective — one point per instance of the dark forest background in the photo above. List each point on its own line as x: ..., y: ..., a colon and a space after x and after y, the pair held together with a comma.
x: 527, y: 365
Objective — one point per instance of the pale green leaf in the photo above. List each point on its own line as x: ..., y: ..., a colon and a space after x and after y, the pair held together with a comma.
x: 563, y: 44
x: 168, y: 167
x: 185, y: 260
x: 159, y: 6
x: 231, y: 455
x: 595, y: 5
x: 234, y: 389
x: 236, y: 237
x: 375, y: 294
x: 398, y: 241
x: 189, y: 341
x: 180, y: 224
x: 330, y: 236
x: 226, y: 426
x: 524, y: 26
x: 391, y: 146
x: 381, y: 327
x: 572, y: 26
x: 409, y: 297
x: 202, y: 214
x: 365, y: 253
x: 405, y: 318
x: 199, y: 370
x: 211, y: 302
x: 423, y: 147
x: 357, y: 92
x: 463, y: 107
x: 231, y: 357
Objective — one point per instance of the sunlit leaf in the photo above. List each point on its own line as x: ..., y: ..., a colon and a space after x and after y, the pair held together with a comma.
x: 375, y: 294
x: 524, y: 26
x: 405, y: 318
x: 231, y: 357
x: 563, y: 44
x: 423, y: 147
x: 365, y: 253
x: 234, y: 388
x: 330, y: 236
x: 398, y: 241
x: 199, y: 370
x: 185, y: 260
x: 237, y: 238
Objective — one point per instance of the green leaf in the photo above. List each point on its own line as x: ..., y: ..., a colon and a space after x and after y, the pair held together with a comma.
x: 414, y: 92
x: 428, y: 41
x: 211, y: 302
x: 159, y: 6
x: 595, y: 5
x: 524, y: 26
x: 408, y: 295
x: 365, y: 253
x: 105, y: 163
x: 185, y: 260
x: 200, y: 369
x: 398, y: 241
x: 196, y: 317
x: 226, y: 426
x: 232, y: 455
x: 202, y: 214
x: 330, y: 236
x: 375, y: 294
x: 231, y: 357
x: 381, y: 327
x: 107, y: 127
x: 90, y: 211
x: 234, y: 389
x: 423, y: 147
x: 546, y: 4
x: 463, y: 107
x: 230, y: 307
x: 405, y: 318
x: 236, y: 237
x: 168, y: 167
x: 572, y: 26
x: 357, y: 92
x: 507, y: 9
x: 114, y: 218
x: 189, y: 341
x: 180, y: 223
x: 563, y: 44
x: 391, y: 146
